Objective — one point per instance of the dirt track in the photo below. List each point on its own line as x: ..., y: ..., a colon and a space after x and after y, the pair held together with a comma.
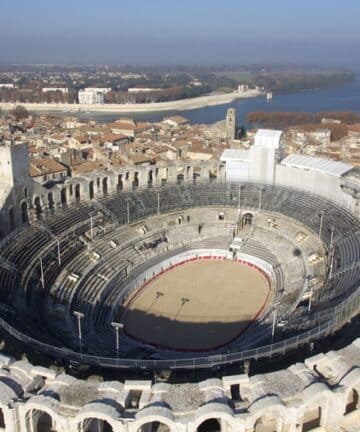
x: 198, y: 305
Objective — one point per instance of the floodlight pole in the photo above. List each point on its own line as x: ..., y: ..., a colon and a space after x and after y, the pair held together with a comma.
x: 331, y: 264
x: 79, y: 316
x: 128, y: 211
x: 117, y: 326
x: 273, y: 325
x: 91, y: 228
x: 260, y: 197
x: 58, y: 251
x: 42, y: 273
x: 310, y: 299
x: 239, y: 197
x: 332, y: 239
x: 321, y: 224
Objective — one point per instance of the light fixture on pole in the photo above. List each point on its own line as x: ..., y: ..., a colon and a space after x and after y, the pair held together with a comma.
x: 79, y: 316
x: 117, y: 326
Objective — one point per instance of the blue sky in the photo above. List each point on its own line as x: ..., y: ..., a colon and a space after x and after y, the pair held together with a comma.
x: 171, y: 31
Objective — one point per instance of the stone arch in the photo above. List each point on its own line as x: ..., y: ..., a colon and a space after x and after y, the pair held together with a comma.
x: 94, y: 424
x: 77, y: 193
x: 213, y: 174
x: 135, y: 183
x: 154, y: 419
x: 154, y: 426
x: 180, y: 175
x: 213, y: 417
x: 105, y: 185
x: 91, y: 189
x: 266, y: 423
x: 24, y: 212
x: 12, y: 220
x: 63, y: 196
x: 150, y: 181
x: 2, y: 418
x: 270, y: 418
x: 313, y: 417
x: 214, y: 424
x: 247, y: 219
x: 37, y: 205
x: 316, y: 408
x: 196, y: 173
x: 40, y: 419
x: 120, y: 183
x: 97, y: 417
x: 50, y: 200
x: 352, y: 401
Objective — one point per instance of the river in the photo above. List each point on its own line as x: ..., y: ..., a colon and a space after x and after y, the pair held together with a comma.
x: 342, y: 98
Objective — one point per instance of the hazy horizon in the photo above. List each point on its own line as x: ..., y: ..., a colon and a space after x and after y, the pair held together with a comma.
x: 189, y: 32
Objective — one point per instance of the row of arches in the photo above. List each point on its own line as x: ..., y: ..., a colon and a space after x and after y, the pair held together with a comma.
x: 85, y: 188
x: 38, y: 420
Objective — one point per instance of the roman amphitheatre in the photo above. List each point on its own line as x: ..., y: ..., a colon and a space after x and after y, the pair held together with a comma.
x: 193, y: 303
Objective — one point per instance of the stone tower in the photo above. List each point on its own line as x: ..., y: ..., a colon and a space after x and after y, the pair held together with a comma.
x: 15, y: 185
x: 230, y: 124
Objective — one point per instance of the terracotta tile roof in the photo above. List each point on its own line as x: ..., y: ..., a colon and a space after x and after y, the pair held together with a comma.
x: 87, y: 167
x: 45, y: 166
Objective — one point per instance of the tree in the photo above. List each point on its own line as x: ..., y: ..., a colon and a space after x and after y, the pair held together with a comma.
x: 19, y: 112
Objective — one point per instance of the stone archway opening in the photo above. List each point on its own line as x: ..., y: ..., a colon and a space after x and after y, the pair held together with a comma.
x: 266, y: 423
x: 214, y: 425
x: 24, y: 212
x: 352, y: 402
x: 12, y: 219
x: 135, y: 183
x: 312, y: 418
x: 196, y: 174
x: 180, y: 178
x: 91, y: 190
x: 37, y: 205
x: 212, y: 175
x: 95, y: 425
x: 77, y: 193
x: 39, y: 421
x: 120, y: 185
x: 50, y: 200
x: 154, y: 426
x: 247, y: 220
x: 105, y: 185
x: 63, y: 197
x: 2, y: 419
x: 150, y: 178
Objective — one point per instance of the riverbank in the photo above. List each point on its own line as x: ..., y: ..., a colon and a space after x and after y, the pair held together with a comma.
x: 178, y: 105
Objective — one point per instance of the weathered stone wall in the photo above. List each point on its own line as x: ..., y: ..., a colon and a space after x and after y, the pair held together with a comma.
x: 320, y: 394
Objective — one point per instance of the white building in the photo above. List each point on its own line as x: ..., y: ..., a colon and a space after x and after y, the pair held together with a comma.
x: 7, y: 86
x: 263, y: 163
x: 63, y: 90
x: 92, y: 95
x: 143, y: 90
x: 257, y: 163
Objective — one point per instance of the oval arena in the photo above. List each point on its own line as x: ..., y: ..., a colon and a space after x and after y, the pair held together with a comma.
x: 199, y: 302
x: 187, y: 277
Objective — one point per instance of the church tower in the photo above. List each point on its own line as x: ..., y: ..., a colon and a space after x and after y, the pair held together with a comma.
x: 230, y: 124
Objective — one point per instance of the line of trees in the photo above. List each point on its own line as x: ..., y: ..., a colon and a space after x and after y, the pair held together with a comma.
x: 284, y: 119
x: 308, y: 122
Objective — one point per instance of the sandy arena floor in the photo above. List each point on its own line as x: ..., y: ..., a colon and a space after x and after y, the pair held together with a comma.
x: 197, y: 306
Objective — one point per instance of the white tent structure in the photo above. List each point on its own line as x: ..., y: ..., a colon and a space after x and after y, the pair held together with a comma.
x: 263, y: 163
